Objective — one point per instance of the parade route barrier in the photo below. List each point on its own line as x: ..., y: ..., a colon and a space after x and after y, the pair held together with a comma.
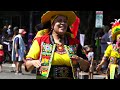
x: 83, y: 75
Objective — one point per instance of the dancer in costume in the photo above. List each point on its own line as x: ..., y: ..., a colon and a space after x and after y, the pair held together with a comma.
x: 112, y: 53
x: 55, y: 52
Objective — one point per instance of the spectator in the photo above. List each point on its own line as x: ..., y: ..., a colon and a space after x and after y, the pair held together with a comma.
x: 98, y: 36
x: 18, y: 50
x: 110, y: 37
x: 91, y: 61
x: 1, y: 56
x: 15, y: 30
x: 104, y: 40
x: 10, y: 31
x: 104, y: 44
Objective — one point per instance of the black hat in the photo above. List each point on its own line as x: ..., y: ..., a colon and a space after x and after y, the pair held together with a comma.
x: 15, y: 28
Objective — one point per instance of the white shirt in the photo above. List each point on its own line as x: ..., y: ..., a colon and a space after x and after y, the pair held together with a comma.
x: 90, y: 56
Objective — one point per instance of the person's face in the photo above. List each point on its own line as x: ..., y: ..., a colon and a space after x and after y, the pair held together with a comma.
x: 118, y: 38
x: 60, y: 25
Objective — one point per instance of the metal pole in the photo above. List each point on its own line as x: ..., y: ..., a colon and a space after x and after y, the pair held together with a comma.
x: 20, y: 21
x: 11, y: 20
x: 31, y: 14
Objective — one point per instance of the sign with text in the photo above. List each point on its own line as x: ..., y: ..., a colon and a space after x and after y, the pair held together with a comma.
x: 99, y: 19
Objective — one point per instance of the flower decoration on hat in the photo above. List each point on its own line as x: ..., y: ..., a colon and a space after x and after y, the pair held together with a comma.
x: 75, y: 26
x: 115, y: 28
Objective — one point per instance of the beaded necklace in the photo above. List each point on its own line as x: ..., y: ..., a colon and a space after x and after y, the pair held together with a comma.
x: 60, y: 47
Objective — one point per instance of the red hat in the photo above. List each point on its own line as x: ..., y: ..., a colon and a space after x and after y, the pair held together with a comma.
x: 22, y: 31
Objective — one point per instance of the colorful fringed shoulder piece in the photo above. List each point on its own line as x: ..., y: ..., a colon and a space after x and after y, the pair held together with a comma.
x: 115, y: 28
x: 46, y: 31
x: 41, y: 33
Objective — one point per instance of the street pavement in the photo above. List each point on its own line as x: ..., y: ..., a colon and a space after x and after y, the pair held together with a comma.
x: 84, y: 75
x: 7, y: 74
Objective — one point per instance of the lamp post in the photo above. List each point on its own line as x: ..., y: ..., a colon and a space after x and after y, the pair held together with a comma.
x: 31, y: 17
x: 30, y: 34
x: 98, y: 24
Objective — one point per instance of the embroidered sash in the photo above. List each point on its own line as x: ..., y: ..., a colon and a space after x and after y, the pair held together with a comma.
x: 71, y: 50
x: 47, y: 56
x: 112, y: 70
x: 46, y: 60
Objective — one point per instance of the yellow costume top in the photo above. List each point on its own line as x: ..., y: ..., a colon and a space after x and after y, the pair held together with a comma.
x: 111, y: 52
x: 58, y: 59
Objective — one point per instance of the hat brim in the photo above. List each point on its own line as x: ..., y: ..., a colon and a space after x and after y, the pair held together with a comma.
x: 70, y: 14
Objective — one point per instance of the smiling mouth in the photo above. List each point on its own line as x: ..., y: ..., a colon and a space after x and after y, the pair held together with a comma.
x: 62, y: 27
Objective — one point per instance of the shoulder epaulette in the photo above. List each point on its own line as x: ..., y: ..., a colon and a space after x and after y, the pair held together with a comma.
x: 41, y: 33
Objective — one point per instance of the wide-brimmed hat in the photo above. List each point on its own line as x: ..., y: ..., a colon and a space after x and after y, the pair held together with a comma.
x: 115, y: 29
x: 1, y: 46
x: 49, y: 14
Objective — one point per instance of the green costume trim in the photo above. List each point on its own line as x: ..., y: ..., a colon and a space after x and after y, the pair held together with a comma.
x: 47, y: 56
x: 70, y: 51
x: 112, y: 70
x: 46, y: 60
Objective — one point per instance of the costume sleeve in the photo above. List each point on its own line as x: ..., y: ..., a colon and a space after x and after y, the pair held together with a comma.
x: 34, y: 51
x: 108, y: 51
